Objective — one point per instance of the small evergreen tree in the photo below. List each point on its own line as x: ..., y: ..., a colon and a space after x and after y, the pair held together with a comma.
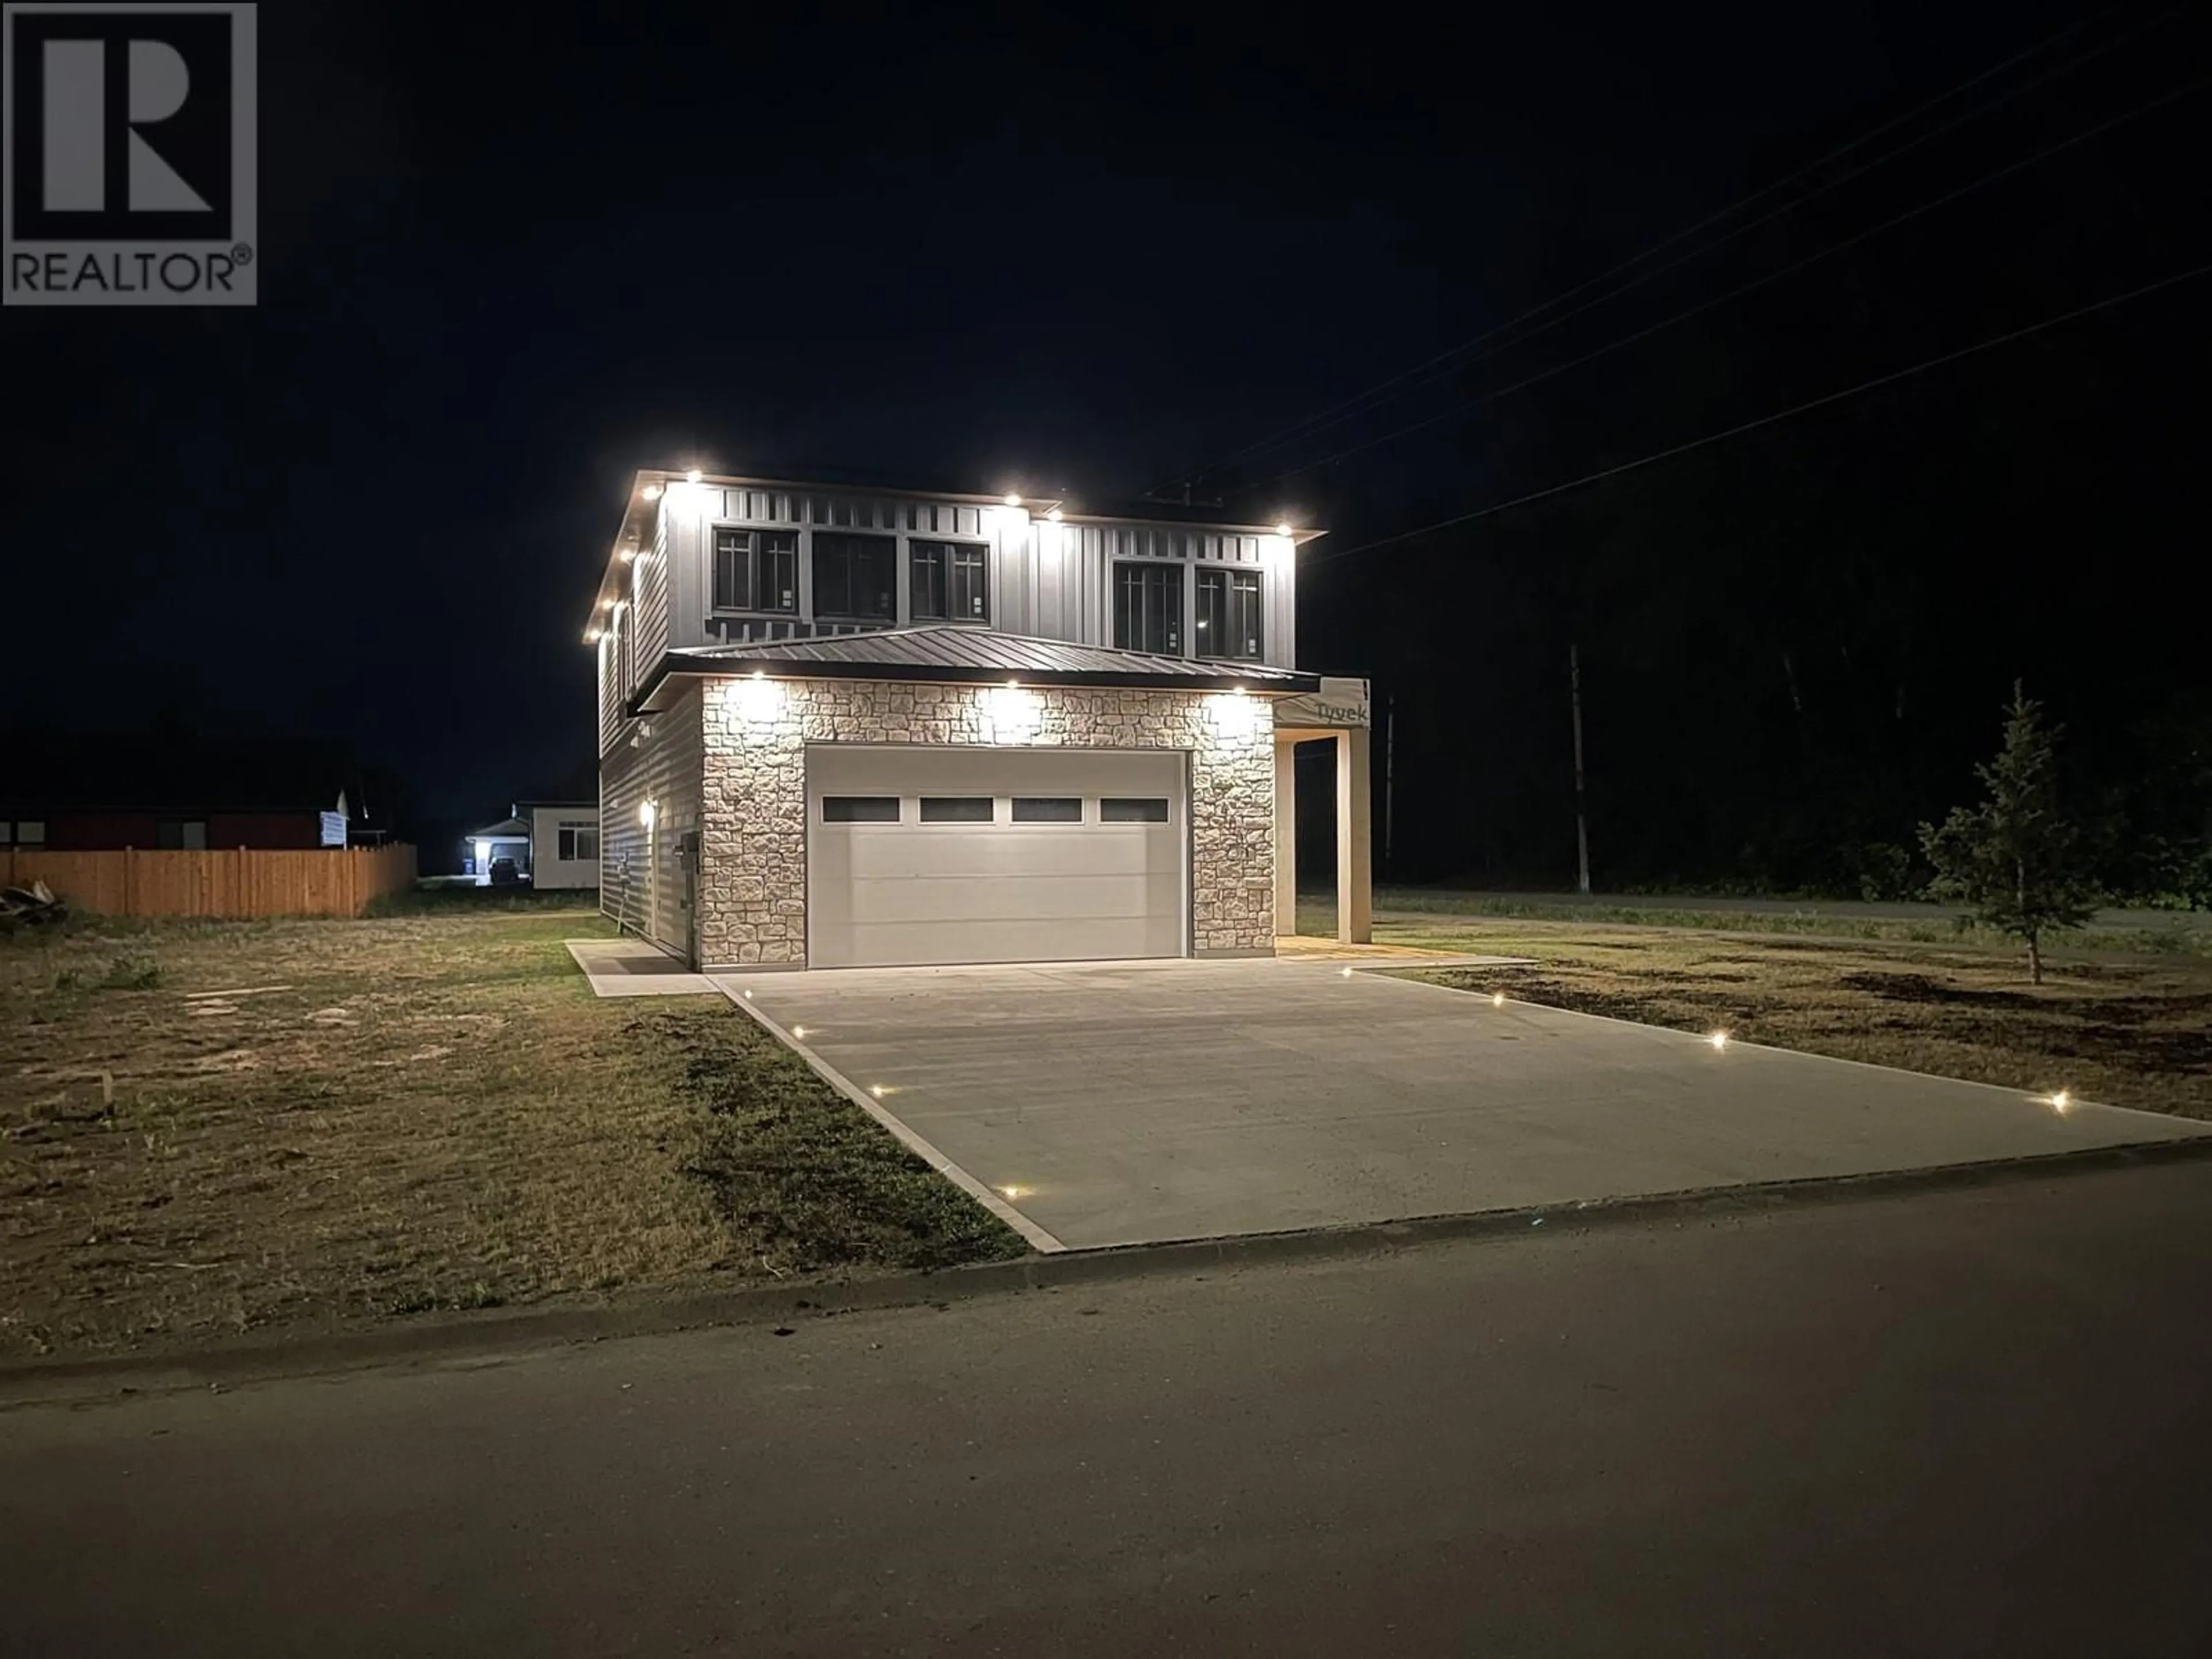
x: 2012, y: 858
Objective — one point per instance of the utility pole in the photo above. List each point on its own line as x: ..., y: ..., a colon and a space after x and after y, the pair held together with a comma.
x: 1389, y: 778
x: 1582, y: 804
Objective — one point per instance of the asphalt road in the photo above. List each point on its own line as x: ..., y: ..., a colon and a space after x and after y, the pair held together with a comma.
x: 1970, y: 1422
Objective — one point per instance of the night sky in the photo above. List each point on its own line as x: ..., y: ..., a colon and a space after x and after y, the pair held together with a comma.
x: 502, y: 265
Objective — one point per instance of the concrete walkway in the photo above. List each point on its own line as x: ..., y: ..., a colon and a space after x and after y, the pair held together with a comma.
x: 1118, y: 1104
x: 632, y: 968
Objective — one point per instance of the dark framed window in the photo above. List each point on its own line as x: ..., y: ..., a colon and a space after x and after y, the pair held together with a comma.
x: 1229, y: 621
x: 580, y: 842
x: 949, y: 581
x: 855, y: 576
x: 756, y: 569
x: 1122, y: 809
x: 956, y: 809
x: 181, y: 835
x: 859, y: 809
x: 30, y: 832
x: 1148, y: 607
x: 1048, y: 809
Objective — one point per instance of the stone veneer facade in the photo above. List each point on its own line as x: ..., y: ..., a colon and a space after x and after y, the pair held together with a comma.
x: 752, y: 884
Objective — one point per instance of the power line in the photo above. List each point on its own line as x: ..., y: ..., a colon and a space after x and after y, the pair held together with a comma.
x: 1794, y: 266
x: 1420, y: 373
x: 1430, y: 373
x: 1880, y: 380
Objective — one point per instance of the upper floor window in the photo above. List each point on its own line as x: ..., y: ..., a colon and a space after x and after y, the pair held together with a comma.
x: 1229, y: 622
x: 757, y: 570
x: 1148, y: 607
x: 948, y: 582
x: 855, y: 576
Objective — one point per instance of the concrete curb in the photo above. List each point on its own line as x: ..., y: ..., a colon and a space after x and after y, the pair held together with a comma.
x: 486, y: 1335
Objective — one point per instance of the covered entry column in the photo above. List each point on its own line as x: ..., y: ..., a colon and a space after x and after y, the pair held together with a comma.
x: 1338, y: 711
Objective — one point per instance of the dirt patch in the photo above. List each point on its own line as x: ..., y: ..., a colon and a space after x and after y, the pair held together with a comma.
x: 425, y: 1113
x: 2129, y: 1031
x: 1925, y: 988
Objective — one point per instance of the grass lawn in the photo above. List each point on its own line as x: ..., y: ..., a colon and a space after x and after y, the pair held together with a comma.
x: 2126, y: 1028
x: 394, y: 1115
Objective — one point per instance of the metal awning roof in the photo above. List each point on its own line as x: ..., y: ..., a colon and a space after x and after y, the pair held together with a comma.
x: 951, y: 653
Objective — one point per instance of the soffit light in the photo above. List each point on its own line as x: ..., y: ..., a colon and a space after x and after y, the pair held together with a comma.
x: 1282, y: 529
x: 1053, y: 516
x: 651, y: 492
x: 1013, y: 499
x: 694, y: 476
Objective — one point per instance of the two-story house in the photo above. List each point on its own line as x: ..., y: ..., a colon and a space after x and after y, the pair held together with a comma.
x: 844, y: 727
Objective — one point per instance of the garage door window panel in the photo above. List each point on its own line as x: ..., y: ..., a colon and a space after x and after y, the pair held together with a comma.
x: 1048, y: 809
x: 859, y: 809
x: 957, y: 809
x: 1130, y: 809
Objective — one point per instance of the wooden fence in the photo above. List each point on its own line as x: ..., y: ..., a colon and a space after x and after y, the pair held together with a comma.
x: 238, y: 882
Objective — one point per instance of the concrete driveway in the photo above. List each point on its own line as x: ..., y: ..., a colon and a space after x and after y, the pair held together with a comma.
x: 1126, y: 1103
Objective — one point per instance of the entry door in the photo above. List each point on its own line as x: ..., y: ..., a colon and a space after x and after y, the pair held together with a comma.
x: 950, y: 856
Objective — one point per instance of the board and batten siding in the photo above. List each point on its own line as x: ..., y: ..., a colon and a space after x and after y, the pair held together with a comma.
x: 659, y: 759
x: 1048, y: 581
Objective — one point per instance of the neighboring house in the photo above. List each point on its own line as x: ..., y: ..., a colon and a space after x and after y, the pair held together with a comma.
x: 508, y: 839
x: 844, y: 728
x: 554, y: 844
x: 174, y: 792
x: 564, y: 842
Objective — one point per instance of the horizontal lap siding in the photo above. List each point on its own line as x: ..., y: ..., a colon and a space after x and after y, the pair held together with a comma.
x: 642, y: 875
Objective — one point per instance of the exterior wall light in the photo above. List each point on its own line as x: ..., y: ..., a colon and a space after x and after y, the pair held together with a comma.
x: 1053, y: 516
x: 1282, y: 529
x: 628, y: 554
x: 758, y: 700
x: 593, y: 637
x: 651, y: 492
x: 645, y: 814
x: 1718, y: 1039
x: 695, y: 476
x: 1013, y: 499
x: 1015, y: 714
x: 1235, y: 714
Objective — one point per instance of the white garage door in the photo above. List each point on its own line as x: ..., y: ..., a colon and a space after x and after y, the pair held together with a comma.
x: 936, y: 855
